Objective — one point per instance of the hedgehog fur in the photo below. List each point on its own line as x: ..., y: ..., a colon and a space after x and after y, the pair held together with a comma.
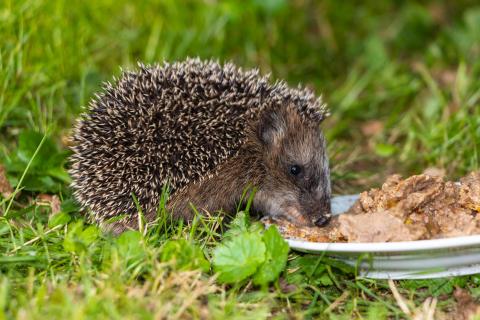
x: 171, y: 123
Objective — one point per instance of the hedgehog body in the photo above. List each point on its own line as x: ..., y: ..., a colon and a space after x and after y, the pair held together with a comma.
x: 206, y: 130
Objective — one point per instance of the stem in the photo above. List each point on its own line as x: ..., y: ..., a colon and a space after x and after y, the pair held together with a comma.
x: 24, y: 174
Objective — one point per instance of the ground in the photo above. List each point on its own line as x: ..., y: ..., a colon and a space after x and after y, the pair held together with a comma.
x: 402, y: 80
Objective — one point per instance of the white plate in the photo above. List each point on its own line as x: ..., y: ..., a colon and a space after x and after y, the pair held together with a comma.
x: 421, y: 259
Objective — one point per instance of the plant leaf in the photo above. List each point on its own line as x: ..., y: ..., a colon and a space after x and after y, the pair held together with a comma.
x: 186, y: 255
x: 275, y: 257
x: 238, y: 225
x: 239, y: 257
x: 46, y: 172
x: 59, y: 219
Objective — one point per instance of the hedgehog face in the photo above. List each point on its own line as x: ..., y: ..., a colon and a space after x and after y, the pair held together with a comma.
x: 297, y: 178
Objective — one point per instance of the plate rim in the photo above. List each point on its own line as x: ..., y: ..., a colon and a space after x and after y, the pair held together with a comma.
x: 387, y: 247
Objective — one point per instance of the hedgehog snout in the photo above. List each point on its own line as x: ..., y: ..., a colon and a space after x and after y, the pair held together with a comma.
x: 321, y: 216
x: 322, y: 220
x: 285, y: 205
x: 315, y: 204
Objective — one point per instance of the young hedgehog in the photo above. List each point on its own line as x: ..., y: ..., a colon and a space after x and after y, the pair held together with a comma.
x: 208, y: 132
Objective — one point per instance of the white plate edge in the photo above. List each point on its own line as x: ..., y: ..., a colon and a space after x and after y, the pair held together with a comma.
x: 373, y: 247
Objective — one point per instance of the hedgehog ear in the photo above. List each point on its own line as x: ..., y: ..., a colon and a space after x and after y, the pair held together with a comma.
x: 271, y: 127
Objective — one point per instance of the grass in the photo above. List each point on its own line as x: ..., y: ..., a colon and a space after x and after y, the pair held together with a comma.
x: 403, y: 83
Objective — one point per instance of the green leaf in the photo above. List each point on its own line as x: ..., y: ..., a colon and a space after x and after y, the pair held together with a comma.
x: 130, y: 242
x: 312, y: 269
x: 79, y: 239
x: 46, y: 172
x: 59, y: 219
x: 130, y: 247
x: 89, y: 235
x: 303, y: 268
x: 256, y: 227
x: 28, y: 142
x: 185, y: 255
x: 239, y: 257
x: 475, y: 292
x: 12, y: 214
x: 69, y: 206
x: 39, y: 183
x: 275, y: 257
x: 311, y: 265
x: 377, y: 311
x: 71, y: 242
x: 4, y: 227
x: 324, y: 280
x: 59, y: 173
x: 238, y: 225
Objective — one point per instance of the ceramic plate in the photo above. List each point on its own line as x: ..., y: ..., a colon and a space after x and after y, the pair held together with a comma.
x: 421, y: 259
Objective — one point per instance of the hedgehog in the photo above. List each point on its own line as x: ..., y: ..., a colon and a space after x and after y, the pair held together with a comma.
x: 207, y: 132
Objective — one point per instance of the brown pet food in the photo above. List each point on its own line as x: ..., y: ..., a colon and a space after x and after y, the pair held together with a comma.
x: 417, y: 208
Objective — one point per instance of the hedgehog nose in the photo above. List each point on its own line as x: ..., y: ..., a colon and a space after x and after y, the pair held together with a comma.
x: 322, y: 220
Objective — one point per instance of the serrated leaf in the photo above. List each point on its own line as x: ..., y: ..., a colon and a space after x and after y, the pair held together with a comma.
x: 239, y: 257
x: 276, y: 255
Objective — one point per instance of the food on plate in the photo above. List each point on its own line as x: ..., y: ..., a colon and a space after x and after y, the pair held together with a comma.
x: 328, y: 233
x: 416, y: 208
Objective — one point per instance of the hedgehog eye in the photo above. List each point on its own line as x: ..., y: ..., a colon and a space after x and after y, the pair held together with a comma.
x: 295, y: 170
